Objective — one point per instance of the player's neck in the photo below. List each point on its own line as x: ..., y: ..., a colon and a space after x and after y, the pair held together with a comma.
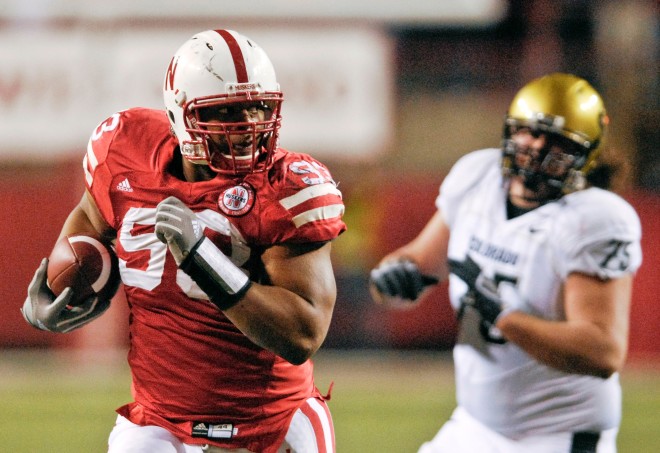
x: 513, y: 210
x: 520, y: 199
x: 191, y: 172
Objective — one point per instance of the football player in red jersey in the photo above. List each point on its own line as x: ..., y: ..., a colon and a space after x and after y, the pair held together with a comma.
x: 223, y: 242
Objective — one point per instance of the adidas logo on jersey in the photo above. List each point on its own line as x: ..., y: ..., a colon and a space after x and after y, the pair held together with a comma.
x: 211, y: 431
x: 124, y: 186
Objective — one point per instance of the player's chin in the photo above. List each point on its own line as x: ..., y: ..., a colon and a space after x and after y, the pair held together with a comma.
x: 543, y: 194
x: 221, y: 161
x: 535, y: 191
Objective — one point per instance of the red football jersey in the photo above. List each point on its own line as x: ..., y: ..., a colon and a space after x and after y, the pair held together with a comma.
x: 191, y: 367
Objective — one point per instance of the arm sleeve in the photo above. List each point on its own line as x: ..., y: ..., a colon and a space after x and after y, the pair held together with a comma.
x: 309, y: 206
x: 98, y: 176
x: 462, y: 177
x: 601, y: 237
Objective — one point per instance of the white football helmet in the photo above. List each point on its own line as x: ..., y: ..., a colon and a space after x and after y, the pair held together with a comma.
x: 217, y: 69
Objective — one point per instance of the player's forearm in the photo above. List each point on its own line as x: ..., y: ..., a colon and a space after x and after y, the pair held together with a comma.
x: 428, y: 250
x: 282, y: 321
x: 573, y: 347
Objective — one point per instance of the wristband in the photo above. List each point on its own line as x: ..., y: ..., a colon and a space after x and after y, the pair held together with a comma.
x: 216, y: 275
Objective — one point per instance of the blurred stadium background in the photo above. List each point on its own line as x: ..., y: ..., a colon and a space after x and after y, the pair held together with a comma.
x: 389, y: 94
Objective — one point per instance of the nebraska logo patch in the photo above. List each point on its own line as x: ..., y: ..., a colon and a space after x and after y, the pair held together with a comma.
x: 237, y: 200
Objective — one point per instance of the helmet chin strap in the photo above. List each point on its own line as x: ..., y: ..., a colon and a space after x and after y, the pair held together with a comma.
x: 246, y: 161
x: 241, y: 158
x: 241, y: 162
x: 226, y: 161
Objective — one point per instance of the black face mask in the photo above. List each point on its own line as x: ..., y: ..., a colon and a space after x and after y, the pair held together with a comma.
x: 543, y: 171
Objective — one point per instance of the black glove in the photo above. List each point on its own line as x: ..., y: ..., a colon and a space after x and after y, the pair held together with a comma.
x: 484, y: 294
x: 485, y: 299
x: 400, y: 279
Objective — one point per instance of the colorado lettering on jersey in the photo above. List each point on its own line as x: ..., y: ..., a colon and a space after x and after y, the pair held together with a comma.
x: 493, y: 252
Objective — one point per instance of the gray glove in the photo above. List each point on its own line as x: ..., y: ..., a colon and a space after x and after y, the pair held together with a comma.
x: 178, y: 227
x: 222, y: 281
x: 46, y: 312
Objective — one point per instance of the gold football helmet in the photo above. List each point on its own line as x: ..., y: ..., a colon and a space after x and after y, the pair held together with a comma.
x: 558, y: 105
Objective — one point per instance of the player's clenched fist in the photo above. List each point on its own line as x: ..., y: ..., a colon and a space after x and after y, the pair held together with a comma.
x: 178, y: 227
x: 43, y: 310
x: 401, y: 279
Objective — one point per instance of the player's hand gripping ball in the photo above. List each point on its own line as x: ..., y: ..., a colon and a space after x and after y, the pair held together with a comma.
x: 85, y: 264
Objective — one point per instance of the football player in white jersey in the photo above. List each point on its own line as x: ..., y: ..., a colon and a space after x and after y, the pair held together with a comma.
x: 540, y: 266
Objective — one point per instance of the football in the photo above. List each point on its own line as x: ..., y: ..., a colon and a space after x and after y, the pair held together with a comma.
x: 85, y: 264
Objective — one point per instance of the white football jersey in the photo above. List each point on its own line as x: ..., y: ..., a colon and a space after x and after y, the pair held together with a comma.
x: 592, y: 231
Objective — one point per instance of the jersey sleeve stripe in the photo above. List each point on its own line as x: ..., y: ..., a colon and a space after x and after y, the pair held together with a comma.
x: 89, y: 163
x: 320, y: 213
x: 309, y: 193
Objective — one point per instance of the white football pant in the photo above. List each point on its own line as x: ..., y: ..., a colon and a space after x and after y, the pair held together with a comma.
x: 462, y: 433
x: 310, y: 431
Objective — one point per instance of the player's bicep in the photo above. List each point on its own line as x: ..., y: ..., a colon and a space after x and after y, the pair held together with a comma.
x: 603, y: 304
x: 85, y: 217
x: 429, y: 248
x: 305, y: 270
